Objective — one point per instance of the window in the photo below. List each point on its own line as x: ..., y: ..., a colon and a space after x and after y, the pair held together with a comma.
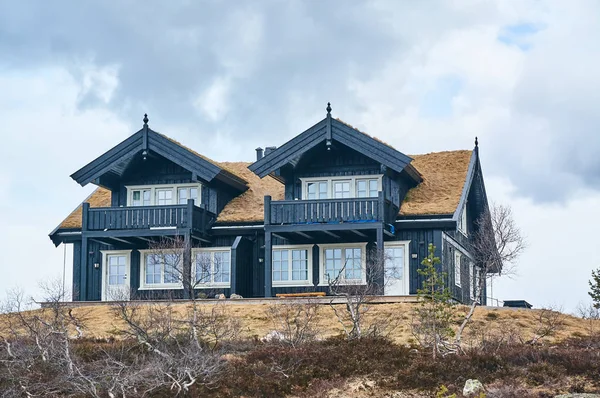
x: 457, y: 258
x: 343, y: 261
x: 161, y: 270
x: 213, y: 267
x: 183, y: 194
x: 317, y: 190
x: 164, y: 196
x: 140, y: 197
x: 160, y: 195
x: 462, y: 223
x: 117, y: 269
x: 341, y: 187
x: 292, y: 265
x: 367, y: 188
x: 474, y: 282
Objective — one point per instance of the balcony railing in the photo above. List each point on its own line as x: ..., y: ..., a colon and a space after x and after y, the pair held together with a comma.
x: 286, y: 212
x: 147, y: 217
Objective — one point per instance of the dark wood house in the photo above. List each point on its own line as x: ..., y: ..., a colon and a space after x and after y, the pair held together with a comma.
x: 321, y: 204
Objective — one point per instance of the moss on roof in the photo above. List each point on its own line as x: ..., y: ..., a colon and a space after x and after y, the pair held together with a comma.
x: 444, y: 175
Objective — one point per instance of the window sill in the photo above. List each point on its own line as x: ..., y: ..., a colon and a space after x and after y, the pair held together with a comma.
x: 298, y: 284
x: 214, y: 286
x: 161, y: 287
x: 349, y: 283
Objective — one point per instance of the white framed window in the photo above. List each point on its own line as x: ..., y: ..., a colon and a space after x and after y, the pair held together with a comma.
x: 160, y: 270
x: 474, y: 285
x: 317, y: 190
x: 212, y: 267
x: 161, y: 195
x: 344, y: 260
x: 462, y: 223
x: 341, y: 187
x: 292, y: 265
x: 367, y: 187
x: 457, y: 258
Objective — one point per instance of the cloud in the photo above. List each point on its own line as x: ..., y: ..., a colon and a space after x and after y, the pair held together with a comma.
x: 226, y: 77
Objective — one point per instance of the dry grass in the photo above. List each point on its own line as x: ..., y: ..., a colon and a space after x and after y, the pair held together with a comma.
x: 444, y: 175
x: 101, y: 322
x: 249, y: 206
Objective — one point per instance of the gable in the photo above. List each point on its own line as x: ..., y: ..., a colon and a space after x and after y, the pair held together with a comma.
x: 112, y: 165
x: 328, y: 132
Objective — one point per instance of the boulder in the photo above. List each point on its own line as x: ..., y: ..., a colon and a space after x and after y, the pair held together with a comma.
x: 472, y: 388
x: 578, y: 396
x: 220, y: 296
x: 273, y: 335
x: 235, y: 296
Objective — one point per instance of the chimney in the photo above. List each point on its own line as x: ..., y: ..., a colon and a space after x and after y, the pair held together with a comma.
x: 269, y: 149
x: 259, y: 153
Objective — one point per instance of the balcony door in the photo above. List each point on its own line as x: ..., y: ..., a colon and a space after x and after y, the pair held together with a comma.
x: 396, y: 270
x: 115, y: 278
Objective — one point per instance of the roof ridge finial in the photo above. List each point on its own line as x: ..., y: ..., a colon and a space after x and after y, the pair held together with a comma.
x: 476, y: 142
x: 145, y: 119
x: 329, y: 108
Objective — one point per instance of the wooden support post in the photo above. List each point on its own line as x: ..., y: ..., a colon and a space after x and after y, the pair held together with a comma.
x: 187, y: 265
x: 381, y: 204
x: 190, y: 214
x: 267, y: 210
x: 268, y: 265
x: 233, y: 264
x: 379, y: 261
x: 85, y: 207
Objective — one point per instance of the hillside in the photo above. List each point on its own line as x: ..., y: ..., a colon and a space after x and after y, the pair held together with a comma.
x: 101, y: 322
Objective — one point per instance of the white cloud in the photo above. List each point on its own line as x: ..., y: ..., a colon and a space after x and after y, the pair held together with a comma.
x: 213, y: 102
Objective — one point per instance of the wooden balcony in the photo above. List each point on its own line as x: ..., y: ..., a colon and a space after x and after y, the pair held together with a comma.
x: 139, y: 218
x: 325, y: 211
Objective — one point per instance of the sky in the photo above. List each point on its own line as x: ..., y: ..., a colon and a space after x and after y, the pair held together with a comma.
x: 225, y: 77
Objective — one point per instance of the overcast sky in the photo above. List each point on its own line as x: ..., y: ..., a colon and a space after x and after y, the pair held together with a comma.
x: 227, y: 76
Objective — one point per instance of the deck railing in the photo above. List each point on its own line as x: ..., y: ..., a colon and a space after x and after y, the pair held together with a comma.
x: 285, y: 212
x: 147, y: 217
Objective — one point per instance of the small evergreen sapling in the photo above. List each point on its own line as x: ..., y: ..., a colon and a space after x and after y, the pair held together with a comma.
x: 432, y: 325
x: 595, y: 288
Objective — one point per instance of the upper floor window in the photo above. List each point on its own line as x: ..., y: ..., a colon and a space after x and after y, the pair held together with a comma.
x: 462, y: 222
x: 341, y: 187
x: 161, y: 195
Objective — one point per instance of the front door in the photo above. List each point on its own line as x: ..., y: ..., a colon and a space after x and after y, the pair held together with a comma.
x: 116, y: 277
x: 395, y: 271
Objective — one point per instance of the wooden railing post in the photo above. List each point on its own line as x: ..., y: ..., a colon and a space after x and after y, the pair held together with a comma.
x: 267, y: 209
x: 190, y: 213
x: 381, y: 205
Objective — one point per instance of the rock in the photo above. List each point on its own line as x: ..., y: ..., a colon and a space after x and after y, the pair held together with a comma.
x: 578, y: 396
x: 472, y: 387
x: 273, y: 335
x: 220, y: 296
x: 413, y: 352
x: 235, y: 296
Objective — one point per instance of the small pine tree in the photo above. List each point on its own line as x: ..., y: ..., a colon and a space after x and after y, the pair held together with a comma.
x: 595, y: 288
x: 432, y: 321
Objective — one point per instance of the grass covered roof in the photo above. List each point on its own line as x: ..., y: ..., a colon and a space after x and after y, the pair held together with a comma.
x: 444, y: 175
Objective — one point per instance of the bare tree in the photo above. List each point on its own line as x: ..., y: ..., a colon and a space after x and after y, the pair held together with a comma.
x: 294, y: 322
x: 496, y: 245
x: 549, y: 320
x: 357, y: 292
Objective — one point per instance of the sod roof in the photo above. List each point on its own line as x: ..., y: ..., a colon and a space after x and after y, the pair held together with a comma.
x: 444, y: 175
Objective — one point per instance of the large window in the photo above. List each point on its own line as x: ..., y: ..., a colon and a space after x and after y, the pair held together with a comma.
x: 345, y: 262
x: 462, y: 222
x: 292, y: 265
x: 341, y: 187
x: 212, y: 267
x: 161, y: 195
x: 161, y: 270
x: 457, y: 269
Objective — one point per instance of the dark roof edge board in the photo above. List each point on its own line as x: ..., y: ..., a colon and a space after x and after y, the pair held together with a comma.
x: 293, y: 147
x: 98, y: 166
x: 163, y: 146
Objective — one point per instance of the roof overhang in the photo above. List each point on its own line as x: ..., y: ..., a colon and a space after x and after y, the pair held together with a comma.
x: 114, y: 162
x: 334, y: 130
